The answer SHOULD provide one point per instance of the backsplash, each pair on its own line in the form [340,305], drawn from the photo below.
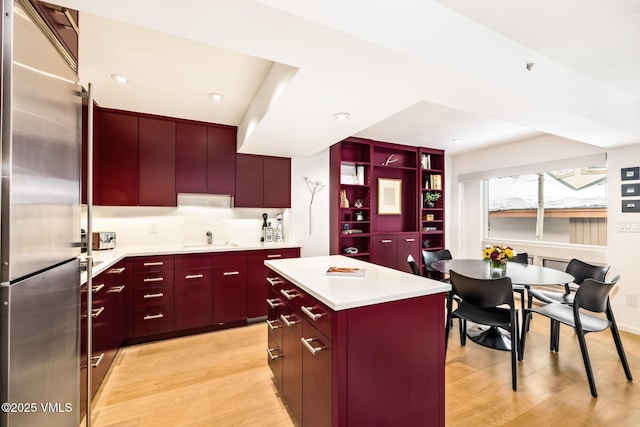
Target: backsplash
[159,226]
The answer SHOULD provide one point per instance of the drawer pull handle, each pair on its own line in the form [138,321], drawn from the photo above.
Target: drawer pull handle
[386,241]
[274,302]
[312,315]
[156,295]
[274,356]
[153,279]
[274,280]
[97,288]
[312,349]
[96,312]
[98,361]
[286,321]
[289,294]
[153,316]
[274,256]
[194,276]
[151,264]
[116,289]
[116,270]
[274,324]
[409,240]
[231,273]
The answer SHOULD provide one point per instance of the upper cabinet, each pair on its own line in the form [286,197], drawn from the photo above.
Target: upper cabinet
[221,160]
[63,24]
[262,181]
[156,173]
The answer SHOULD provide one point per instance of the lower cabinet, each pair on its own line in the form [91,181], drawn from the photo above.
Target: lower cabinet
[193,291]
[229,287]
[392,249]
[381,364]
[153,300]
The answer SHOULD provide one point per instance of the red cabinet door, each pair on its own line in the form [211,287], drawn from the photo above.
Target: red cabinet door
[249,171]
[383,250]
[229,293]
[193,295]
[118,157]
[221,160]
[191,158]
[317,376]
[292,360]
[407,244]
[277,182]
[157,150]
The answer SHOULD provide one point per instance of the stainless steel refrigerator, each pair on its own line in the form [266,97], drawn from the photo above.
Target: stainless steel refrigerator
[40,227]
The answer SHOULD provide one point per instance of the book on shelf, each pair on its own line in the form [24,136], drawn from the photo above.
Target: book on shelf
[435,182]
[346,271]
[426,161]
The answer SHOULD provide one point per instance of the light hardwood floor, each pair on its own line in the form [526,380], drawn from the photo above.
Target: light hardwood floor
[222,379]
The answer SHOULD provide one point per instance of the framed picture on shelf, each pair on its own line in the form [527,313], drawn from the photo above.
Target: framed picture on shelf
[389,196]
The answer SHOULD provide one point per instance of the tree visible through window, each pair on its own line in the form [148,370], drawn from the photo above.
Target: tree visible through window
[565,206]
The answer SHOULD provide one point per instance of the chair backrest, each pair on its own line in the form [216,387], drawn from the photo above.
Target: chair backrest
[581,271]
[414,266]
[432,256]
[593,295]
[521,258]
[482,292]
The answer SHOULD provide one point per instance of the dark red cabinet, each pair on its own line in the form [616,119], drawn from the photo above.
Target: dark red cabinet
[257,277]
[392,250]
[229,287]
[262,181]
[153,300]
[156,173]
[193,291]
[316,384]
[221,164]
[117,182]
[407,244]
[191,158]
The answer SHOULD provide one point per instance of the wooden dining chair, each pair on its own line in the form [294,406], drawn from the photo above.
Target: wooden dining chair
[482,301]
[592,296]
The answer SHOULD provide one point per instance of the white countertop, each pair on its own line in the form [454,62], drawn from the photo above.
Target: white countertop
[379,284]
[106,258]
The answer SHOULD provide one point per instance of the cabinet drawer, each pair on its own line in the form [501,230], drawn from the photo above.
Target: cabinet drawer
[153,263]
[193,261]
[153,279]
[235,259]
[274,326]
[153,321]
[317,314]
[275,360]
[153,297]
[268,254]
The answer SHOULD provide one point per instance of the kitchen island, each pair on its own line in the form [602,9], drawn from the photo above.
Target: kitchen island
[351,351]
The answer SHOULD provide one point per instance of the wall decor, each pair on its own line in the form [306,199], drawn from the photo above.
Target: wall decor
[629,190]
[389,196]
[313,187]
[630,174]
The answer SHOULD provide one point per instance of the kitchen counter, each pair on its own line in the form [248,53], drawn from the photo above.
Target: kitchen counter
[379,284]
[106,258]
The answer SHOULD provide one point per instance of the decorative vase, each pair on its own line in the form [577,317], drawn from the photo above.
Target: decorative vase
[344,202]
[429,204]
[498,268]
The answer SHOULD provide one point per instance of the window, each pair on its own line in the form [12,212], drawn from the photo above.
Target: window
[564,206]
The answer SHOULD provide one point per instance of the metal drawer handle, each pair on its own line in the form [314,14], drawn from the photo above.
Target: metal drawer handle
[117,289]
[194,276]
[231,273]
[97,362]
[312,349]
[97,288]
[153,279]
[153,316]
[409,240]
[151,264]
[116,270]
[386,241]
[288,294]
[96,312]
[274,324]
[308,312]
[285,320]
[274,356]
[156,295]
[274,302]
[274,280]
[274,256]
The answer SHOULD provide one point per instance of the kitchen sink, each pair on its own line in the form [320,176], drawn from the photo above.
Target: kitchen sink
[219,245]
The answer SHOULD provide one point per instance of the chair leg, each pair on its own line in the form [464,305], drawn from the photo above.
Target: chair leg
[587,362]
[618,341]
[523,337]
[463,331]
[514,351]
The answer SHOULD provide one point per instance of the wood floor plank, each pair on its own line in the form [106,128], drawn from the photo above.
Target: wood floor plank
[222,379]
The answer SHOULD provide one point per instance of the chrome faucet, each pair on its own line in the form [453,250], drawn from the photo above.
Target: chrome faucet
[209,238]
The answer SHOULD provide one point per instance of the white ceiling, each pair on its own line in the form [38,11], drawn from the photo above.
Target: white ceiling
[417,72]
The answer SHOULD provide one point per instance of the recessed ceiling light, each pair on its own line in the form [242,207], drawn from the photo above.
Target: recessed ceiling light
[342,116]
[216,96]
[119,78]
[456,140]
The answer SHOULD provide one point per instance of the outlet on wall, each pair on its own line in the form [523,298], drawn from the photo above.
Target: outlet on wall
[632,300]
[153,229]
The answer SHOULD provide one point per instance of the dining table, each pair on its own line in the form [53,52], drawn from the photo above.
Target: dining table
[526,275]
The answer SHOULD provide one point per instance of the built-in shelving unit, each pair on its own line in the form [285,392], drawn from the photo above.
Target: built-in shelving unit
[432,214]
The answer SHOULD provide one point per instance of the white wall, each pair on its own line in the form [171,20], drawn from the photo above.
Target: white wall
[465,213]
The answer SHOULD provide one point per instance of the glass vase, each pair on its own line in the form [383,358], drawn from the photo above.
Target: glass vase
[498,268]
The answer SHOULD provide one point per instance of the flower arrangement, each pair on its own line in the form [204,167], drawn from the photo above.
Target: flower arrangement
[498,255]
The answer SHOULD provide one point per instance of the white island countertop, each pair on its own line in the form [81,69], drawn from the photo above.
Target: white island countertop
[379,284]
